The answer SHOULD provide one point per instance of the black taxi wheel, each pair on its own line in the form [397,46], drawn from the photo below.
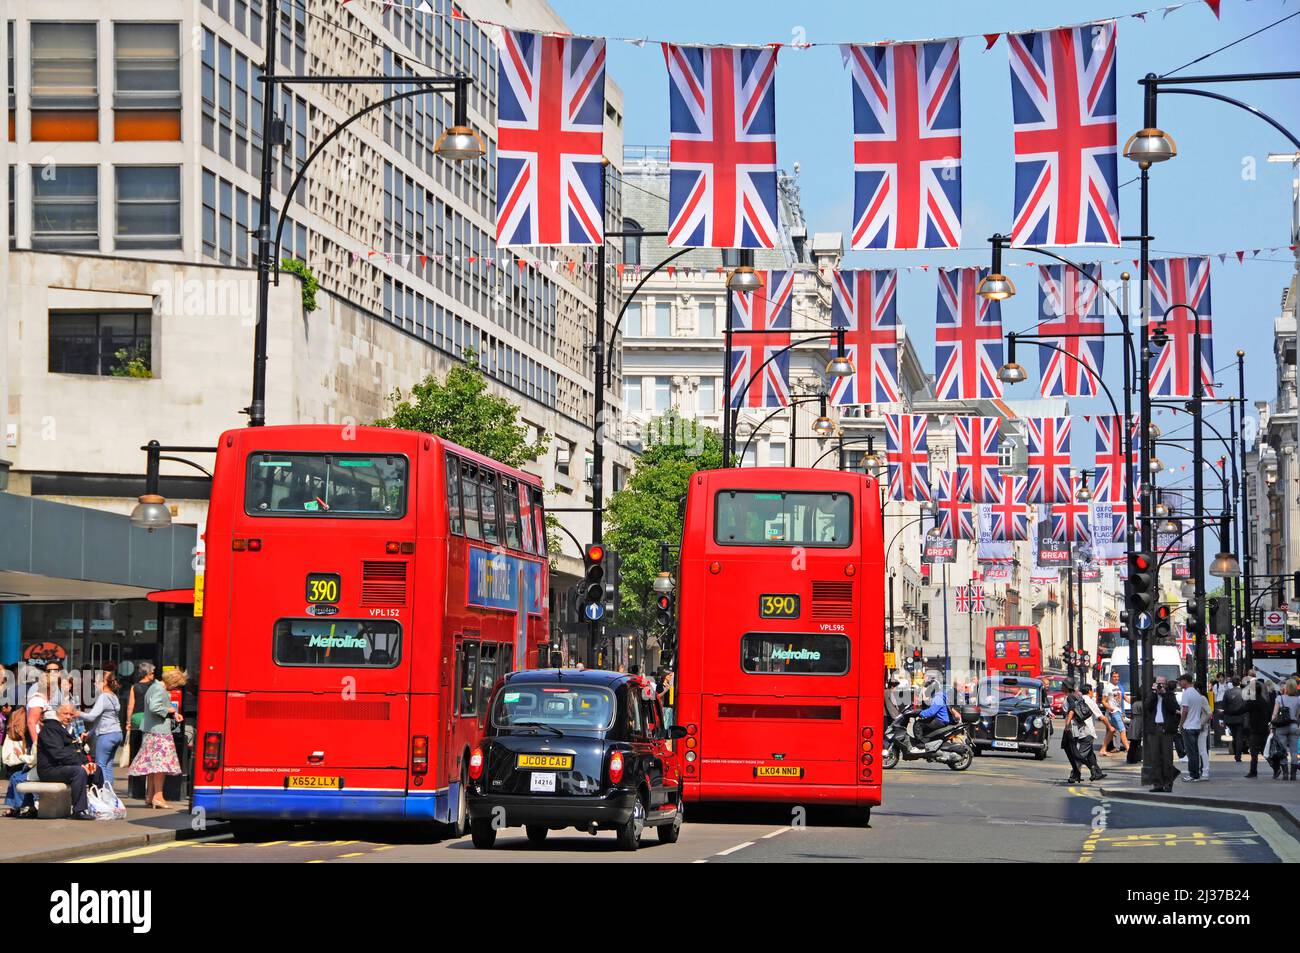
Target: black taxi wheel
[482,833]
[536,833]
[668,833]
[629,832]
[1041,755]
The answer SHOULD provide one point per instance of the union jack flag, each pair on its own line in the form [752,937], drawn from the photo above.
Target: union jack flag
[864,303]
[762,319]
[1176,282]
[1010,511]
[1063,105]
[907,456]
[977,457]
[1068,302]
[963,599]
[1072,519]
[1186,641]
[1110,472]
[722,147]
[906,145]
[955,517]
[550,139]
[1049,459]
[968,338]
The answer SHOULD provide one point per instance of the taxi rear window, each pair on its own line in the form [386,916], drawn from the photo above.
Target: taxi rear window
[580,707]
[371,486]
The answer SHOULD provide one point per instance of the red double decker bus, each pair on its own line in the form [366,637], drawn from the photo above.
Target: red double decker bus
[781,637]
[364,589]
[1014,650]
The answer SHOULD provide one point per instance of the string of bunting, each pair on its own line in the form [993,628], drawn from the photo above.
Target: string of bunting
[989,39]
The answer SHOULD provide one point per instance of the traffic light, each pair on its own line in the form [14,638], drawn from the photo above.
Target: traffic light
[613,578]
[1142,583]
[1195,616]
[592,595]
[1220,615]
[1125,632]
[1163,630]
[664,609]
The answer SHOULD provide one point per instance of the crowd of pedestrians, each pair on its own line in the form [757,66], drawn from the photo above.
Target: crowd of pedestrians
[51,737]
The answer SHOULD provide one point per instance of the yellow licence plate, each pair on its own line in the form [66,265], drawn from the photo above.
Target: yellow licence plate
[312,781]
[778,771]
[548,762]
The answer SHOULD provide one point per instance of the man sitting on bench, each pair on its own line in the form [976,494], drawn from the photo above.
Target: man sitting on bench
[62,757]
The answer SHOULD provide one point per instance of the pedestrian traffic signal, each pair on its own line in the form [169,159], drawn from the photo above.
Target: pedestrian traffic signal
[1142,583]
[1195,619]
[664,609]
[1163,630]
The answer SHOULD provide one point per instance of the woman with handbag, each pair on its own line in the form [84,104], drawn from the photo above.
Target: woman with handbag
[105,719]
[157,755]
[19,757]
[1259,706]
[1286,730]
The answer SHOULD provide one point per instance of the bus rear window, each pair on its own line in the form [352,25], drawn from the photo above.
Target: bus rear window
[775,518]
[326,484]
[337,643]
[784,653]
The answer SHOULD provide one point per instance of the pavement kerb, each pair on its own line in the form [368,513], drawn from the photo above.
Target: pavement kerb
[1281,812]
[57,854]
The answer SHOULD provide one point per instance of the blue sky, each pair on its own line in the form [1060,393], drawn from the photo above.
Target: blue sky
[1200,202]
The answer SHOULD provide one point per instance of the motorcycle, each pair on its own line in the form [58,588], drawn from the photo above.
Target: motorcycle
[950,745]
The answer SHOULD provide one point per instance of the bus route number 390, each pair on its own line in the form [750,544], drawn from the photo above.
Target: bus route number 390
[778,606]
[323,587]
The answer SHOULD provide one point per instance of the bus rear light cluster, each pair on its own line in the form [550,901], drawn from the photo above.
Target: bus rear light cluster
[715,567]
[211,751]
[868,745]
[239,545]
[868,732]
[866,773]
[691,729]
[850,569]
[690,769]
[393,547]
[616,768]
[867,760]
[690,757]
[420,754]
[476,764]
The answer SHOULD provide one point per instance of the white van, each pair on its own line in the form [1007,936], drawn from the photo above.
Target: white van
[1165,661]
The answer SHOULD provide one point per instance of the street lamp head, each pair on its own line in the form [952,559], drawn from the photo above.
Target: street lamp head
[1012,373]
[1148,146]
[664,582]
[1154,431]
[744,279]
[823,426]
[151,513]
[459,143]
[1083,494]
[1161,510]
[1241,354]
[996,287]
[1225,566]
[1159,335]
[1156,466]
[839,366]
[1169,527]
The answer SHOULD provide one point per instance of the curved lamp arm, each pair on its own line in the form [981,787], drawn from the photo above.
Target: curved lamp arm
[759,426]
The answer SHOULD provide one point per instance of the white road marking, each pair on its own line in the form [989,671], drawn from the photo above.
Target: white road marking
[732,850]
[779,830]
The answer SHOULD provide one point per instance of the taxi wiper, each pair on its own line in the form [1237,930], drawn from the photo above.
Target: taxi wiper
[537,724]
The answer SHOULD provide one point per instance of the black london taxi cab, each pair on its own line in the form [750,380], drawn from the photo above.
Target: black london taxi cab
[568,748]
[1012,716]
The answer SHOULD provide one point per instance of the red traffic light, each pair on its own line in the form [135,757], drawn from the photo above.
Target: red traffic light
[916,653]
[595,553]
[1163,613]
[1140,561]
[665,602]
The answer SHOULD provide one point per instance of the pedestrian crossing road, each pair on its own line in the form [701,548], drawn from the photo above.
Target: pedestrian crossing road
[1000,810]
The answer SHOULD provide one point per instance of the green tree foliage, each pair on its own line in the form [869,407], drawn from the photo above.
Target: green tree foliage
[310,285]
[645,511]
[460,408]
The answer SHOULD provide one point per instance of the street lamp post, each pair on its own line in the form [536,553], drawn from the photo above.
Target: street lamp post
[1243,525]
[458,142]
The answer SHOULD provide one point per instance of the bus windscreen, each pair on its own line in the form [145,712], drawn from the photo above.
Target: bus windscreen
[777,518]
[325,484]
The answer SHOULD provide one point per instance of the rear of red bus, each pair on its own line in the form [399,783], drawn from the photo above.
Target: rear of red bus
[1014,650]
[320,691]
[781,637]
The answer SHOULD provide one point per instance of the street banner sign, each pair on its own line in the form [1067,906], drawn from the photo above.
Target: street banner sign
[935,551]
[1053,554]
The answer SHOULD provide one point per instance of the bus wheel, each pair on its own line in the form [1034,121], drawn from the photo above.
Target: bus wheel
[459,825]
[536,833]
[629,832]
[668,833]
[482,833]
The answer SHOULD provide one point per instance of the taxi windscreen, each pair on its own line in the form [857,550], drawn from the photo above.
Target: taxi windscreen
[578,707]
[325,484]
[1005,695]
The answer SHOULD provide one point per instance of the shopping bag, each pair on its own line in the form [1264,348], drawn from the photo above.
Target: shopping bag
[104,803]
[1268,748]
